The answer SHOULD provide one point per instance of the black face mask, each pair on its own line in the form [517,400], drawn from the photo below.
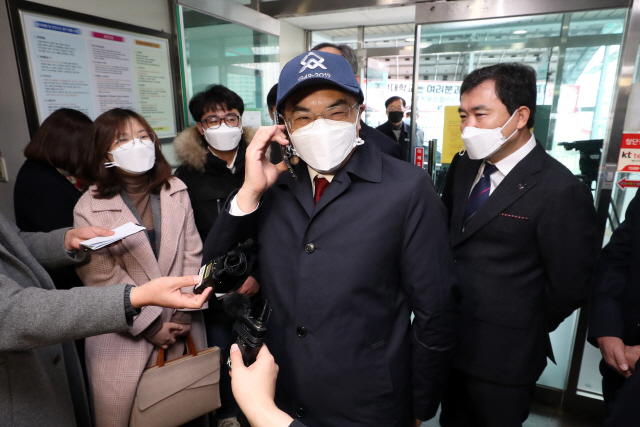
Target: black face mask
[395,116]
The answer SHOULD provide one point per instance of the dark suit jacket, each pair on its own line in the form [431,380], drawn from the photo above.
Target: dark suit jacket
[384,143]
[342,278]
[524,260]
[615,309]
[404,140]
[615,304]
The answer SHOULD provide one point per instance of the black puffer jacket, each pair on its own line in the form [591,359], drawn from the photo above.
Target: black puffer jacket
[209,181]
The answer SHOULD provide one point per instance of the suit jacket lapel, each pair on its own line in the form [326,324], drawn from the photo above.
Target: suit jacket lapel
[173,218]
[137,244]
[465,175]
[515,185]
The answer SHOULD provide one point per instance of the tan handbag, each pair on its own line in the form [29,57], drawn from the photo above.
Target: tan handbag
[173,393]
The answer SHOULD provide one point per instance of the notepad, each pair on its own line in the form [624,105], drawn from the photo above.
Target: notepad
[120,233]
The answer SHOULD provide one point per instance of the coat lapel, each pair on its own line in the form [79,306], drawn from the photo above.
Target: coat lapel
[301,187]
[173,217]
[515,185]
[137,244]
[465,175]
[365,163]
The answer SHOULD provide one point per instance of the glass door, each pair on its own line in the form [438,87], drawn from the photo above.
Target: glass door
[215,51]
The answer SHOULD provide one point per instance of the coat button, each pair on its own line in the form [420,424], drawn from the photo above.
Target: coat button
[302,331]
[309,248]
[300,412]
[56,359]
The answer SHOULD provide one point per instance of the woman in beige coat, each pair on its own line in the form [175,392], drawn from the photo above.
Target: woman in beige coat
[138,189]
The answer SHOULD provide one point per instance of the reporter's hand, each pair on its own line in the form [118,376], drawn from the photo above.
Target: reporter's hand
[250,287]
[260,173]
[632,353]
[254,389]
[165,292]
[74,236]
[612,349]
[167,335]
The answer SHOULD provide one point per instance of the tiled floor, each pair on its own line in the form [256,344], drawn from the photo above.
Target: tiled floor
[545,416]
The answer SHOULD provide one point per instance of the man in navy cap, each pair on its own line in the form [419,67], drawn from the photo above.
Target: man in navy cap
[348,249]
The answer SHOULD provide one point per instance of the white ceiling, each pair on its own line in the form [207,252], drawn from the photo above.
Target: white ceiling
[353,18]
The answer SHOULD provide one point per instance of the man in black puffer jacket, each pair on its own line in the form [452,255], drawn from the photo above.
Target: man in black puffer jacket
[212,155]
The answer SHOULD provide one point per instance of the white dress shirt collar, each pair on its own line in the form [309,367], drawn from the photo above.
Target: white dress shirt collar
[508,163]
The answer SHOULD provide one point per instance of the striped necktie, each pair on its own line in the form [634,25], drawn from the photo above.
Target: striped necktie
[480,192]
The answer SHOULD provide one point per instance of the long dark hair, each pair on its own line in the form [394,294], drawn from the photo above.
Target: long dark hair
[106,129]
[63,141]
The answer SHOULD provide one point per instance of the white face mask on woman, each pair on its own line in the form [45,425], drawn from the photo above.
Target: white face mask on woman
[483,143]
[325,144]
[224,138]
[134,156]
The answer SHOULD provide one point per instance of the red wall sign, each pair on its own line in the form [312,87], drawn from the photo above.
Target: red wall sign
[419,157]
[629,160]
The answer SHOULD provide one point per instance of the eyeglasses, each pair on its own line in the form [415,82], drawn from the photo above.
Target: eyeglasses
[145,138]
[395,109]
[339,113]
[214,122]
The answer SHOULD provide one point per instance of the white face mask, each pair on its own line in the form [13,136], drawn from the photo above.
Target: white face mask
[483,143]
[326,145]
[134,157]
[224,138]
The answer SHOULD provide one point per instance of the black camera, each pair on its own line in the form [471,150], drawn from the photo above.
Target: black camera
[227,272]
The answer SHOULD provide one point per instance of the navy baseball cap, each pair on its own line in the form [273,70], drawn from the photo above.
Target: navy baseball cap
[313,68]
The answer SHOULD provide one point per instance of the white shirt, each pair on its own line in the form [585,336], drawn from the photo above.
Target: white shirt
[505,165]
[235,210]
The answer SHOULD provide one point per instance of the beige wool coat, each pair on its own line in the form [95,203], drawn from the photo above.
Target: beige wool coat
[116,361]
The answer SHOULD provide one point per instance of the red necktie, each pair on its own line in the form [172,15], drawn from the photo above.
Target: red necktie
[321,185]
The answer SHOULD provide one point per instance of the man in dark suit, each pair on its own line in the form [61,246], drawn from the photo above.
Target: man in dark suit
[367,133]
[342,252]
[615,316]
[523,231]
[394,127]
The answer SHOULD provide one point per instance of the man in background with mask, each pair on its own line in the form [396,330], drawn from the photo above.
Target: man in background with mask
[213,157]
[523,231]
[342,250]
[366,133]
[394,127]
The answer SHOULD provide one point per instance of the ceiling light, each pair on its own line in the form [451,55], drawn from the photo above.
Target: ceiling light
[520,32]
[410,39]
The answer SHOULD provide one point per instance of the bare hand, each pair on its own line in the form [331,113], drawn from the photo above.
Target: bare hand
[612,349]
[250,287]
[632,353]
[417,423]
[74,236]
[254,388]
[260,173]
[167,335]
[165,292]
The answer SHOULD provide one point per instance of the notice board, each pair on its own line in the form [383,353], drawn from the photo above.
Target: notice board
[93,67]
